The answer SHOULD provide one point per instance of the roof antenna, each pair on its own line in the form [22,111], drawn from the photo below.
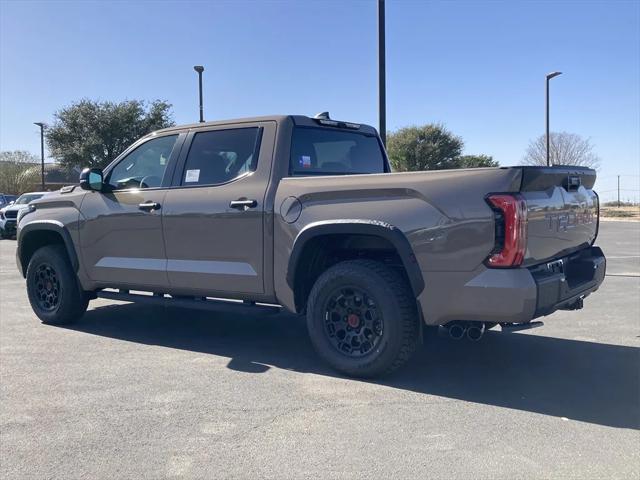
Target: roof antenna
[322,115]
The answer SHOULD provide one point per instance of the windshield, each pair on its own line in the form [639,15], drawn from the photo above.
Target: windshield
[28,197]
[324,151]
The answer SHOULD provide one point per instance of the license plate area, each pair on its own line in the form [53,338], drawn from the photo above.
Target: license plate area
[566,278]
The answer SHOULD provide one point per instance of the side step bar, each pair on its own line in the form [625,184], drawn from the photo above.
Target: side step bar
[516,327]
[199,303]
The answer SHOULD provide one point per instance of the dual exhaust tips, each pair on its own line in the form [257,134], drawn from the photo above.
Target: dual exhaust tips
[473,330]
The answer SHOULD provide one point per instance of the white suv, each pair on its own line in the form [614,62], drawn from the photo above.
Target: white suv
[9,214]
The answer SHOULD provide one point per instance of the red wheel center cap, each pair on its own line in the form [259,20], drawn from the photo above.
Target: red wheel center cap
[353,320]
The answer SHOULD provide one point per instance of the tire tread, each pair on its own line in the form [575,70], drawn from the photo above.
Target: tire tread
[406,302]
[74,299]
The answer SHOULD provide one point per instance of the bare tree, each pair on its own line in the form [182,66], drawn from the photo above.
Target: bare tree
[564,149]
[16,171]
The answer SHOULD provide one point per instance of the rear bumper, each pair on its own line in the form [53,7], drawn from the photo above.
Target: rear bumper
[512,295]
[562,284]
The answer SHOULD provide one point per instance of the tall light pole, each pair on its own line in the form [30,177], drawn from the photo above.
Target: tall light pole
[41,125]
[200,69]
[549,77]
[382,93]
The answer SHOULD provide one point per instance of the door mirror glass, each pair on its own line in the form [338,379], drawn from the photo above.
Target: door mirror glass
[91,179]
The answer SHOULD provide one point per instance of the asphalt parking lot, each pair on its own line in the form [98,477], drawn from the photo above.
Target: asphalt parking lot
[141,392]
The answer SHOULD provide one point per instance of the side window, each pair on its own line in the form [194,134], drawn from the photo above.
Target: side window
[145,166]
[219,156]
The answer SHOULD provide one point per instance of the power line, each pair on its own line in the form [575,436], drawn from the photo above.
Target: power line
[614,176]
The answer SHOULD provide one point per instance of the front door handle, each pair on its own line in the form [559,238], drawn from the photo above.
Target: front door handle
[149,206]
[242,204]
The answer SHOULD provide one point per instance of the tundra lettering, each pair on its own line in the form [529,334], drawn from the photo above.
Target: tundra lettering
[564,221]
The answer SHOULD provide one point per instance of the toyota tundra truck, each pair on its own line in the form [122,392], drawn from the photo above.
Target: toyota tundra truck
[304,214]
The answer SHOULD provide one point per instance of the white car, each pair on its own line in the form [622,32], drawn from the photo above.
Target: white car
[9,214]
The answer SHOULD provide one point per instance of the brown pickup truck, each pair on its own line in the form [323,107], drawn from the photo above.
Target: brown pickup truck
[305,214]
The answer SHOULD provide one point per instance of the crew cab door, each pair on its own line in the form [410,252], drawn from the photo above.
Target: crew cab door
[213,217]
[121,236]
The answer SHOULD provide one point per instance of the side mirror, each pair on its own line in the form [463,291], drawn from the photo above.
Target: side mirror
[12,202]
[91,179]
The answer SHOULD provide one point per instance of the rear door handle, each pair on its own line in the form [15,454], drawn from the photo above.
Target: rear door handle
[149,206]
[242,204]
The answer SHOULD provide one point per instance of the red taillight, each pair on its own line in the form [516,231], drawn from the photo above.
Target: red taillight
[511,230]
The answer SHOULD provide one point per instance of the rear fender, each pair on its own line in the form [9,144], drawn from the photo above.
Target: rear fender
[358,227]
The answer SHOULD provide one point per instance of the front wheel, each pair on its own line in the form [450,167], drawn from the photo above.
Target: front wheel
[362,318]
[53,288]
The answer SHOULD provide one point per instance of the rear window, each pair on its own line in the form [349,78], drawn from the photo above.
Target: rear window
[322,151]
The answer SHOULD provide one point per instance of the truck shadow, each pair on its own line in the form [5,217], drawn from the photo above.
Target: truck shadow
[579,380]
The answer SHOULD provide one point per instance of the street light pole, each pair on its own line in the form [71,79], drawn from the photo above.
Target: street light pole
[200,69]
[549,77]
[382,93]
[41,125]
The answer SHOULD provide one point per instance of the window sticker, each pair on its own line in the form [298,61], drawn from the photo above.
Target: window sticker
[305,161]
[192,176]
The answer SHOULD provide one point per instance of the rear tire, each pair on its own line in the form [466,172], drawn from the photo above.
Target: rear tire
[53,288]
[362,318]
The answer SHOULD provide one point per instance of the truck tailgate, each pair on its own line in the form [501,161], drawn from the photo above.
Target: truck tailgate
[562,211]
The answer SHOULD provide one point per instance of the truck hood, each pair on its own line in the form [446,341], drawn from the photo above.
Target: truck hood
[70,196]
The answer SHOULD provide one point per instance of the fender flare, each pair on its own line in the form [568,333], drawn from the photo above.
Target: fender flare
[35,226]
[358,227]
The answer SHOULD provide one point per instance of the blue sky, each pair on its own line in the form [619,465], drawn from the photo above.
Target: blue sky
[476,66]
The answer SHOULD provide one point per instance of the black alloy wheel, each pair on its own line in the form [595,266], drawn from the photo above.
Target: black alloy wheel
[47,287]
[353,322]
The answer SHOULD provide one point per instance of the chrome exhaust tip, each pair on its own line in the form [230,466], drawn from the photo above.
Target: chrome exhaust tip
[457,331]
[475,333]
